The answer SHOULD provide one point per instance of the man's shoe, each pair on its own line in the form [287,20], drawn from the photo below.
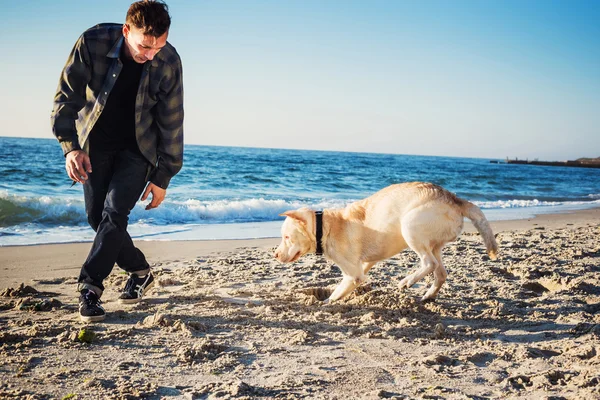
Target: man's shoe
[90,309]
[135,288]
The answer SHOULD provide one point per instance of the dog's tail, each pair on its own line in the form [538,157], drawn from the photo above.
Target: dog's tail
[473,212]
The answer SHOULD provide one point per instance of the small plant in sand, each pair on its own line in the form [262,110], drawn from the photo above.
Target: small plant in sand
[86,335]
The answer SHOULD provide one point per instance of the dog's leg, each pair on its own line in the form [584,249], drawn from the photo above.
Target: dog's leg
[428,265]
[439,275]
[346,286]
[417,232]
[367,266]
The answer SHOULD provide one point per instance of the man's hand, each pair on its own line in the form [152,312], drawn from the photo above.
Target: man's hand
[158,195]
[78,165]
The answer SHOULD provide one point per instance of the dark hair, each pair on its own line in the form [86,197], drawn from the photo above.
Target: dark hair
[151,16]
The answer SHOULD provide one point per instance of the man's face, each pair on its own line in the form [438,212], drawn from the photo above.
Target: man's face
[140,47]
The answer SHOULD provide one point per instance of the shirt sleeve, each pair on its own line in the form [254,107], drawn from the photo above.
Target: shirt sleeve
[169,121]
[70,96]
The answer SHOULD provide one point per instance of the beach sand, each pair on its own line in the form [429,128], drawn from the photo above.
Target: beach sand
[228,321]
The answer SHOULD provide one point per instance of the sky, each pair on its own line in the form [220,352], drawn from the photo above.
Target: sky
[463,78]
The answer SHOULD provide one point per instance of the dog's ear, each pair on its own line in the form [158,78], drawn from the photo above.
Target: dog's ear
[298,215]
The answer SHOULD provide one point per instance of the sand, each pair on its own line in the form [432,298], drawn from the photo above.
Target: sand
[228,321]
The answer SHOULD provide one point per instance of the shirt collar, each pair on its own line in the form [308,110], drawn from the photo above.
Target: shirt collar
[116,49]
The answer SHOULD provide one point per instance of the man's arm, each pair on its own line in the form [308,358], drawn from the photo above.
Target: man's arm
[70,96]
[169,121]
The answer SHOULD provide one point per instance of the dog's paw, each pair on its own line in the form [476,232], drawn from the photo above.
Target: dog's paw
[403,284]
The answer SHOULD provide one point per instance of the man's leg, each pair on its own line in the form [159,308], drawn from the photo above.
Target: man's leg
[94,191]
[112,242]
[130,258]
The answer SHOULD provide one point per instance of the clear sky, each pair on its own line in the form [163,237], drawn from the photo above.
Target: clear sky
[461,78]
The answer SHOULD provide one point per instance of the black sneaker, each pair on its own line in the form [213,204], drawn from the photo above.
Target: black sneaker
[90,309]
[135,288]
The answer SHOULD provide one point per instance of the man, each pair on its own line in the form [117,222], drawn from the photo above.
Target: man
[118,116]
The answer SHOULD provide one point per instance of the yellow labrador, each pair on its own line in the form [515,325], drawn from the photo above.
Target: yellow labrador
[422,216]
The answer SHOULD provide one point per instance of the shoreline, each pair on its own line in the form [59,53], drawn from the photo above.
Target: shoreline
[17,235]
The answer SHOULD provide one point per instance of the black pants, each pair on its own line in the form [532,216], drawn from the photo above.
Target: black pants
[116,183]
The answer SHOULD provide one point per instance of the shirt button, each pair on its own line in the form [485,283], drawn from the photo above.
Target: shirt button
[105,92]
[114,75]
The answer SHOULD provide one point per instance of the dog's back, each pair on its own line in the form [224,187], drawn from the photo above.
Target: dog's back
[392,203]
[433,208]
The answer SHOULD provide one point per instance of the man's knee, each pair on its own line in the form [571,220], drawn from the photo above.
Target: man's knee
[116,218]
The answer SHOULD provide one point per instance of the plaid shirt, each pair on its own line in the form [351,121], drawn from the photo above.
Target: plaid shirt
[86,82]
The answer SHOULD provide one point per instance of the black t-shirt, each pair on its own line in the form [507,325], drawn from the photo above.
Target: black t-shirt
[115,128]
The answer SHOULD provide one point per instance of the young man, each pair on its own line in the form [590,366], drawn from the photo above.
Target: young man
[118,115]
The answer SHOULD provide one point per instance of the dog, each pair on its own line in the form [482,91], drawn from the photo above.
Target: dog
[419,215]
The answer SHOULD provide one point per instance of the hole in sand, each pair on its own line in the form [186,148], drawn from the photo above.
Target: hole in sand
[544,286]
[363,289]
[321,294]
[535,287]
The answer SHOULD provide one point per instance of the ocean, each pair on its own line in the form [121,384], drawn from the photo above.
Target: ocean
[238,193]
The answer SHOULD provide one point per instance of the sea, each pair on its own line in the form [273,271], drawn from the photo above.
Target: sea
[239,192]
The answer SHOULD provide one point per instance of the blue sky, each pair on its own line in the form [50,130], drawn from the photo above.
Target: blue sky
[456,78]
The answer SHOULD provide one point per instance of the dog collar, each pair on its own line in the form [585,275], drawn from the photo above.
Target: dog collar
[319,232]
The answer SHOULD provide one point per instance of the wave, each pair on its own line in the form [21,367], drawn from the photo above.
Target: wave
[221,211]
[503,204]
[15,210]
[45,211]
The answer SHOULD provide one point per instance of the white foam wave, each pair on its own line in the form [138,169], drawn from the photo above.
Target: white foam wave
[222,211]
[503,204]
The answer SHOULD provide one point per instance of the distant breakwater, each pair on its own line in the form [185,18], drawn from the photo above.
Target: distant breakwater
[581,163]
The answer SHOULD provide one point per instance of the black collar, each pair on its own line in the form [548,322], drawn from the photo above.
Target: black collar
[319,232]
